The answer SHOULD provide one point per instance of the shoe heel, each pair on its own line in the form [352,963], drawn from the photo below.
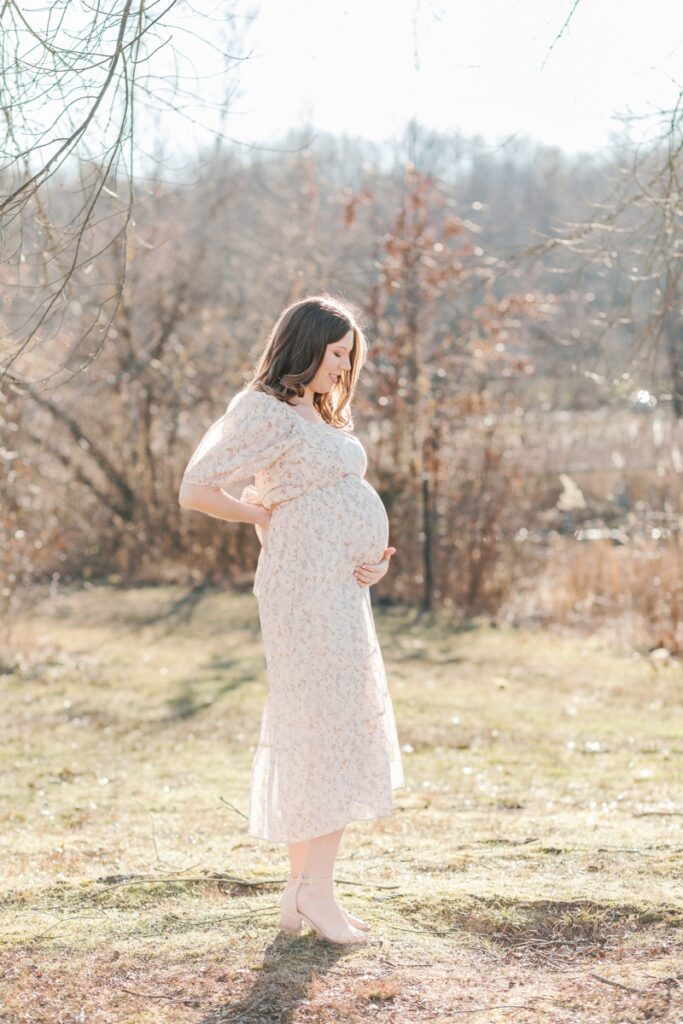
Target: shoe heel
[290,924]
[290,919]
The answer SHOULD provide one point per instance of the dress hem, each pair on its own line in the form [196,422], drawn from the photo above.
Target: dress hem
[334,828]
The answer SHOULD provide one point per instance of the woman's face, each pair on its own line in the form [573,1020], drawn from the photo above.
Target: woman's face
[337,358]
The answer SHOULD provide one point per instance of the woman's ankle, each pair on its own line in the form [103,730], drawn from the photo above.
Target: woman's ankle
[321,888]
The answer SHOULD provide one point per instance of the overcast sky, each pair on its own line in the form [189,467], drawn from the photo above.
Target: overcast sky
[366,66]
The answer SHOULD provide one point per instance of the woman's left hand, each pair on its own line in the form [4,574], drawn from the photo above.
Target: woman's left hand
[368,573]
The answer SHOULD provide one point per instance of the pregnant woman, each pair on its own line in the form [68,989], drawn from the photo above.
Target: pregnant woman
[328,752]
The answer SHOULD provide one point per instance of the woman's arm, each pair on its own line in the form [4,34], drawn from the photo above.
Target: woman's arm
[214,502]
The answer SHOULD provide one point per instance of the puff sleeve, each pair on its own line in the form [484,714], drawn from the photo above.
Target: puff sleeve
[250,435]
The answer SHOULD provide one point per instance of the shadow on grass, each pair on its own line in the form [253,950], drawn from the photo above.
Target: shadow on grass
[290,967]
[181,611]
[187,703]
[178,612]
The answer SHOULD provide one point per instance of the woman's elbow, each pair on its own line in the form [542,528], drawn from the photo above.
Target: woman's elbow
[187,496]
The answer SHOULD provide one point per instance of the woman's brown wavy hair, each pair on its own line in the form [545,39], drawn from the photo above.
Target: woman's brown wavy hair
[296,347]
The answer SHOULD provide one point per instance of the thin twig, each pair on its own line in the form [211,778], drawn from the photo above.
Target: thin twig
[617,984]
[670,814]
[499,1006]
[232,806]
[156,995]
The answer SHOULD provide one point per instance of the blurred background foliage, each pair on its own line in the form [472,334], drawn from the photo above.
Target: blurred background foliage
[519,401]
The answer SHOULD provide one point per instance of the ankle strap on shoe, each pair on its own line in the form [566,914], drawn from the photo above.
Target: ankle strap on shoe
[314,878]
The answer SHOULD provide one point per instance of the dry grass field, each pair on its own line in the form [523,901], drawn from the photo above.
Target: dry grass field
[532,870]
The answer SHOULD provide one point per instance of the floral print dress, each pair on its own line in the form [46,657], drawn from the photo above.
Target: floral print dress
[328,751]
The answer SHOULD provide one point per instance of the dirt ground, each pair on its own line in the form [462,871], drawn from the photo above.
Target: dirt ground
[530,872]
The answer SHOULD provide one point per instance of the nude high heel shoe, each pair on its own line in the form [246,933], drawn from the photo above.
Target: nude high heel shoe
[347,935]
[291,921]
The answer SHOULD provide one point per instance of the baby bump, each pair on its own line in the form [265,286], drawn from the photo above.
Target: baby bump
[329,530]
[367,522]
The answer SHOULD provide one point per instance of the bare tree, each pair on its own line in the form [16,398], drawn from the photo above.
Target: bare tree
[82,86]
[632,239]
